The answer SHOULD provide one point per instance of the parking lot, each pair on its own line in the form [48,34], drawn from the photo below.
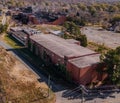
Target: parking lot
[108,38]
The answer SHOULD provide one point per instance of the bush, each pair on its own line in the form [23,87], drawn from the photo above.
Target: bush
[3,28]
[112,61]
[77,20]
[83,40]
[72,28]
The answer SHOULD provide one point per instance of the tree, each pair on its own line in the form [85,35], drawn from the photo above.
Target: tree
[83,40]
[81,6]
[97,7]
[104,6]
[115,19]
[3,28]
[113,8]
[19,4]
[77,20]
[25,20]
[72,28]
[92,10]
[112,61]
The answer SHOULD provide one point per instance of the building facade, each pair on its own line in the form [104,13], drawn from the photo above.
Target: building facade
[80,62]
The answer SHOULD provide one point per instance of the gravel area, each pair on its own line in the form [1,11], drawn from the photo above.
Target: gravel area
[100,36]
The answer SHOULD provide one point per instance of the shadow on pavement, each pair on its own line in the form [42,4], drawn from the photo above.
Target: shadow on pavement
[75,93]
[37,68]
[90,94]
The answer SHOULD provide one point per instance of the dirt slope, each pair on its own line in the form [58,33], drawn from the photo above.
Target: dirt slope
[18,84]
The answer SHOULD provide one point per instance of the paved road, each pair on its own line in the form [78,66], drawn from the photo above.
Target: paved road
[63,94]
[97,35]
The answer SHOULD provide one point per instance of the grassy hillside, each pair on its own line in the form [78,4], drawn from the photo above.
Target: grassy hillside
[18,84]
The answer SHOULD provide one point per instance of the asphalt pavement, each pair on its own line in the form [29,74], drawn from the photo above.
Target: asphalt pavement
[108,38]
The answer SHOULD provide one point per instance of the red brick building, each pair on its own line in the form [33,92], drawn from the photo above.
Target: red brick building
[80,62]
[22,34]
[33,19]
[18,34]
[61,20]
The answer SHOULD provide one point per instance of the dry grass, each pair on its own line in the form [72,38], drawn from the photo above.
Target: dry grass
[45,27]
[94,46]
[18,84]
[10,41]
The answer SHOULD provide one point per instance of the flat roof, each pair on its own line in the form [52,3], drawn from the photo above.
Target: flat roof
[60,46]
[56,32]
[16,28]
[31,30]
[28,30]
[86,61]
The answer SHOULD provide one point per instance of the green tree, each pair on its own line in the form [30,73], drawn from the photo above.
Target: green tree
[83,40]
[81,6]
[77,20]
[112,61]
[3,28]
[104,6]
[98,7]
[115,19]
[92,10]
[113,8]
[72,28]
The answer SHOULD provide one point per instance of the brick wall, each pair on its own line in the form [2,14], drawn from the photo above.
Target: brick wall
[85,75]
[79,75]
[59,21]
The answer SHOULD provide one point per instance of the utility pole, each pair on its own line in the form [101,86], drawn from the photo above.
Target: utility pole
[83,99]
[48,85]
[83,91]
